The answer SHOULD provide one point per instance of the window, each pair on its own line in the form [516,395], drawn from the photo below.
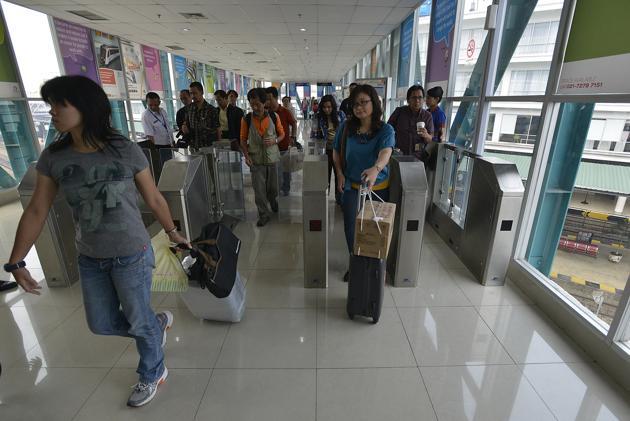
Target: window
[519,128]
[528,82]
[490,131]
[538,39]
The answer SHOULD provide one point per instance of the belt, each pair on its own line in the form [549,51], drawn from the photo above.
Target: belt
[380,186]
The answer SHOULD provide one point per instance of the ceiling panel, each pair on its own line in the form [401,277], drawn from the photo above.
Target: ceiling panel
[338,32]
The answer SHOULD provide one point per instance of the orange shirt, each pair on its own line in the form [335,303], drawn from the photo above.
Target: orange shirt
[261,125]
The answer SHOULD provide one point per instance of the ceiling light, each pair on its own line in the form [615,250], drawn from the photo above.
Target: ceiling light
[186,29]
[193,15]
[303,29]
[249,53]
[306,48]
[86,14]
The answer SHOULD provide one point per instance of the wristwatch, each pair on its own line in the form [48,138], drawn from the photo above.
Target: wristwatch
[10,267]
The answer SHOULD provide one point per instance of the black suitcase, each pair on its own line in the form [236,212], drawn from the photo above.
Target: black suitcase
[366,282]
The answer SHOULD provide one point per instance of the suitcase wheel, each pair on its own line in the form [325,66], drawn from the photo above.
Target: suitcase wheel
[351,316]
[374,320]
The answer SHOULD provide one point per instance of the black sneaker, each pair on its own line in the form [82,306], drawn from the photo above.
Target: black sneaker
[274,207]
[7,285]
[346,276]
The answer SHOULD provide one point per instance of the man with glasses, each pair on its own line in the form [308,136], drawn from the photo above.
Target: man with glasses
[413,125]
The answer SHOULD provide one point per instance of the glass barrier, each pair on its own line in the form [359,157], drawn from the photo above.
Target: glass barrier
[453,175]
[17,148]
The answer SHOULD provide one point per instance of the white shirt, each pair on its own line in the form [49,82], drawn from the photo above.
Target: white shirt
[158,126]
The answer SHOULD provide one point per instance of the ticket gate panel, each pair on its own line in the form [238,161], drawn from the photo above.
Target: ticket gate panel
[409,190]
[55,245]
[315,221]
[184,187]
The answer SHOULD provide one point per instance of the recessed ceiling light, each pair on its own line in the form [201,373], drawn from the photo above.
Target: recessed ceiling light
[306,48]
[186,29]
[303,29]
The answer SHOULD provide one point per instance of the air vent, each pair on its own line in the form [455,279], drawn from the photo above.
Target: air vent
[197,16]
[249,53]
[214,61]
[262,61]
[85,14]
[174,47]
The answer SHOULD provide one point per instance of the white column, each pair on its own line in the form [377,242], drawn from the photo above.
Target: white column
[621,203]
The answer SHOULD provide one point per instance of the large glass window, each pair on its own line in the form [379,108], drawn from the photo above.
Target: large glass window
[589,261]
[33,45]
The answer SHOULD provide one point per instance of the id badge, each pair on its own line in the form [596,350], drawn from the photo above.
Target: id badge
[417,147]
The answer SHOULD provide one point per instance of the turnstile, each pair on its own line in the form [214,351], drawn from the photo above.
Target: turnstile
[408,190]
[475,210]
[315,221]
[55,245]
[184,186]
[224,175]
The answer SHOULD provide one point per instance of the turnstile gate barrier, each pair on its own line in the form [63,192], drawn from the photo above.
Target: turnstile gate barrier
[55,245]
[315,221]
[408,189]
[184,186]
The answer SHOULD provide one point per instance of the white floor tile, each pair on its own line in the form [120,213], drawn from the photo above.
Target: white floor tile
[483,393]
[50,394]
[373,394]
[73,345]
[267,338]
[578,391]
[22,328]
[177,399]
[451,336]
[280,256]
[279,289]
[480,295]
[336,295]
[284,233]
[343,343]
[529,336]
[260,395]
[191,343]
[435,288]
[59,296]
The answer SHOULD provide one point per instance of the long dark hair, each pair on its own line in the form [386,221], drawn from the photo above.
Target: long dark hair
[91,101]
[334,116]
[377,110]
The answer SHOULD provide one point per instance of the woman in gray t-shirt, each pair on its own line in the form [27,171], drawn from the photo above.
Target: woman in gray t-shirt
[100,173]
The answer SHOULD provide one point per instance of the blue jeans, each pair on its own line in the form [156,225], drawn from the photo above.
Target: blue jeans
[349,206]
[117,298]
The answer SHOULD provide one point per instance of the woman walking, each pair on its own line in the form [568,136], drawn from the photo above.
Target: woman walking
[329,120]
[101,173]
[362,148]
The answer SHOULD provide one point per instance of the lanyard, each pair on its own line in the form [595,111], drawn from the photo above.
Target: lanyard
[161,119]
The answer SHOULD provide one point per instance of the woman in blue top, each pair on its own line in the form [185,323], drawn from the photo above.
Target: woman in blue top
[329,120]
[362,148]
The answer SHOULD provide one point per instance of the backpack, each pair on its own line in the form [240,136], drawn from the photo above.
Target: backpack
[272,115]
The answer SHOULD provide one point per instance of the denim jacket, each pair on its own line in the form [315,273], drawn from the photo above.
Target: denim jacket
[322,126]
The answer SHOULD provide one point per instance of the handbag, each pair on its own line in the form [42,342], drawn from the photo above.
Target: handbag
[216,251]
[168,274]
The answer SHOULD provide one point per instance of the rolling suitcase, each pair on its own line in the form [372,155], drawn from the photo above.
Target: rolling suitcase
[366,283]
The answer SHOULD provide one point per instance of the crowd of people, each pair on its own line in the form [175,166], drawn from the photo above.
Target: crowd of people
[115,254]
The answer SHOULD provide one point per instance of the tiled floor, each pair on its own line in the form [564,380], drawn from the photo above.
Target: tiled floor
[449,349]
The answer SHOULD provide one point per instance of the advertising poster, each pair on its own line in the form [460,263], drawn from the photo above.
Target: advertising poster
[597,57]
[307,90]
[109,64]
[191,71]
[152,68]
[404,61]
[238,84]
[222,81]
[134,72]
[440,49]
[210,78]
[9,85]
[293,90]
[179,73]
[75,48]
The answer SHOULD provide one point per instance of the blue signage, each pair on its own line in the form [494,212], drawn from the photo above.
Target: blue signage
[404,57]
